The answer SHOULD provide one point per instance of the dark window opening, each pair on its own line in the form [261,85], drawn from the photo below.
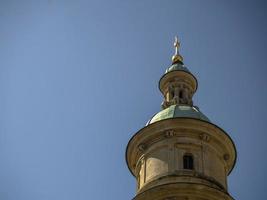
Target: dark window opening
[181,94]
[188,162]
[172,94]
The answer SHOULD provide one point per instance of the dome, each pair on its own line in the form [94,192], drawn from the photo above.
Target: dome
[176,111]
[177,67]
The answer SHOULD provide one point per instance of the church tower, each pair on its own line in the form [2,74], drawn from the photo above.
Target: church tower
[180,154]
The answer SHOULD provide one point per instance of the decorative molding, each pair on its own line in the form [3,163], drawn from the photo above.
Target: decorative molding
[226,157]
[170,198]
[170,133]
[142,147]
[205,137]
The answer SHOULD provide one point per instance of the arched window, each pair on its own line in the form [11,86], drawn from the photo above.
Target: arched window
[188,162]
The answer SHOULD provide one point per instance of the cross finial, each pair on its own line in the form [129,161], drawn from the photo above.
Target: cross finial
[176,45]
[177,57]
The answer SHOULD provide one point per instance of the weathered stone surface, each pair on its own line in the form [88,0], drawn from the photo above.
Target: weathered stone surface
[163,145]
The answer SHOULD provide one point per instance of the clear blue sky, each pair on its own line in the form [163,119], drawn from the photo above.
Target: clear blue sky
[79,78]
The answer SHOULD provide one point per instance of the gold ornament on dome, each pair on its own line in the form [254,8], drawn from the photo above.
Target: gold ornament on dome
[176,57]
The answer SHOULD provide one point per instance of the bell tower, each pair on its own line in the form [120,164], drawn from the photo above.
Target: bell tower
[180,154]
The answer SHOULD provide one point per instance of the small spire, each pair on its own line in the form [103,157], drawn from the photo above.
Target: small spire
[176,57]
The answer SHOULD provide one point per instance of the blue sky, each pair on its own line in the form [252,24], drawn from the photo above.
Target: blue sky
[79,78]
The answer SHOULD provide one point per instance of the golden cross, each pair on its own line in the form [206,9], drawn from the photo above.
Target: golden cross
[176,45]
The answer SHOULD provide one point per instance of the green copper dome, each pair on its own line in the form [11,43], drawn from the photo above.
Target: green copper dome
[176,111]
[177,67]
